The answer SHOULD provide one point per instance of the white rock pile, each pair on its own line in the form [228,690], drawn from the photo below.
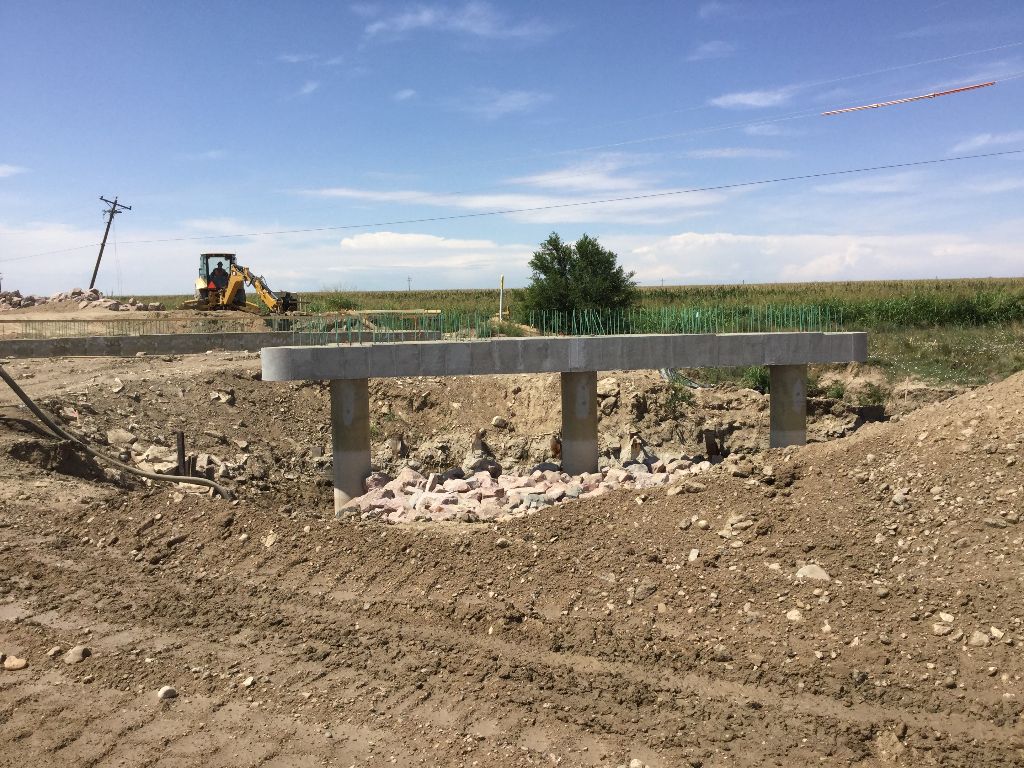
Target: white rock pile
[481,496]
[92,298]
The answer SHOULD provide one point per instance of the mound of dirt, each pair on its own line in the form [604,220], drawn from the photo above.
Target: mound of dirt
[60,456]
[858,604]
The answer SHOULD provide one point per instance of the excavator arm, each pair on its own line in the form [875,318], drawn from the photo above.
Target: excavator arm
[276,303]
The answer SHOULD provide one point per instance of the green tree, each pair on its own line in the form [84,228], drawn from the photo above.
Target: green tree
[580,275]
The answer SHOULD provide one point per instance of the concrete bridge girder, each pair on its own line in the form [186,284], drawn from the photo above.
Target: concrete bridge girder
[348,367]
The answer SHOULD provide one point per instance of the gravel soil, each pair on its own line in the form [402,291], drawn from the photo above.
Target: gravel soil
[667,630]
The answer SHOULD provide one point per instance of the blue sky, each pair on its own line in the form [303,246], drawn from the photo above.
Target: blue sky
[239,117]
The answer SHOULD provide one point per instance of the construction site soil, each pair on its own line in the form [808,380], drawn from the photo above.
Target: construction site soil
[853,602]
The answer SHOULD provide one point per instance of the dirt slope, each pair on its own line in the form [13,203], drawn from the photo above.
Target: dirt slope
[671,630]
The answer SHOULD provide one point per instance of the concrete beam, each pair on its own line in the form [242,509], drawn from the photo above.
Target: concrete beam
[560,354]
[787,403]
[579,422]
[350,438]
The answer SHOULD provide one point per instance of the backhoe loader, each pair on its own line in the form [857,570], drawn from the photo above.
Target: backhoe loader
[220,288]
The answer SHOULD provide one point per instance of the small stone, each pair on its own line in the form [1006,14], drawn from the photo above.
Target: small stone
[645,590]
[703,524]
[684,523]
[794,614]
[941,629]
[13,663]
[978,639]
[946,617]
[814,573]
[499,422]
[77,654]
[882,592]
[502,543]
[721,653]
[248,682]
[167,692]
[694,554]
[54,652]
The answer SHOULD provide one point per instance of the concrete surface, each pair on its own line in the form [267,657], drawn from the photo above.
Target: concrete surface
[787,405]
[560,354]
[170,343]
[579,422]
[350,438]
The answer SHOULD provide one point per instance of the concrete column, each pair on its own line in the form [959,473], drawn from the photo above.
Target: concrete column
[350,437]
[579,422]
[788,405]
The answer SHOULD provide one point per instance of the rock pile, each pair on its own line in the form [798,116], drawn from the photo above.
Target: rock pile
[14,300]
[92,298]
[465,495]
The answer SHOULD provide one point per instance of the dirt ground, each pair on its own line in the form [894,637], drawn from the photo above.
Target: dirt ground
[662,630]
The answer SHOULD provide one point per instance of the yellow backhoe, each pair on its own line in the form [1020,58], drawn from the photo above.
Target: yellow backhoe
[223,287]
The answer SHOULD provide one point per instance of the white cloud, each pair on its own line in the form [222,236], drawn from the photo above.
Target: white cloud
[739,153]
[728,257]
[404,95]
[714,49]
[296,58]
[884,184]
[765,129]
[10,170]
[713,8]
[406,251]
[476,19]
[996,186]
[598,175]
[755,99]
[308,87]
[546,208]
[491,104]
[986,140]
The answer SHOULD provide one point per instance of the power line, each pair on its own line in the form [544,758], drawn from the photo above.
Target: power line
[576,204]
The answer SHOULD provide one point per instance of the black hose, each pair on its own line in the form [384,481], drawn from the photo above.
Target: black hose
[59,431]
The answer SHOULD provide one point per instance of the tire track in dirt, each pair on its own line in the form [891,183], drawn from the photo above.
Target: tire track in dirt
[407,629]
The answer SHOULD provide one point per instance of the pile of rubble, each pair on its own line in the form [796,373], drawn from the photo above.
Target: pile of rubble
[480,492]
[92,298]
[14,300]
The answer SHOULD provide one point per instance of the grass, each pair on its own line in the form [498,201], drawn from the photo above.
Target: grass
[952,354]
[943,331]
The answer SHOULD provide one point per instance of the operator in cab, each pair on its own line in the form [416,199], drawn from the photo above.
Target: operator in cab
[219,277]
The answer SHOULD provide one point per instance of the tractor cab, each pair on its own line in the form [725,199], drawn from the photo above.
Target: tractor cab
[214,271]
[208,262]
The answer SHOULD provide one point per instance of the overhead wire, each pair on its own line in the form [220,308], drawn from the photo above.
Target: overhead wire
[582,203]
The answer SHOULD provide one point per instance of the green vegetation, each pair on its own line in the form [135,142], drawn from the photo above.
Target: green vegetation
[955,355]
[680,396]
[577,276]
[944,331]
[756,377]
[836,390]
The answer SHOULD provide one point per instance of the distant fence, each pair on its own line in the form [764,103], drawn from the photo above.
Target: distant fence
[385,326]
[63,329]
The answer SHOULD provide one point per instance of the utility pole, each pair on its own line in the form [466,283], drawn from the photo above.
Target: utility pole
[409,281]
[111,212]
